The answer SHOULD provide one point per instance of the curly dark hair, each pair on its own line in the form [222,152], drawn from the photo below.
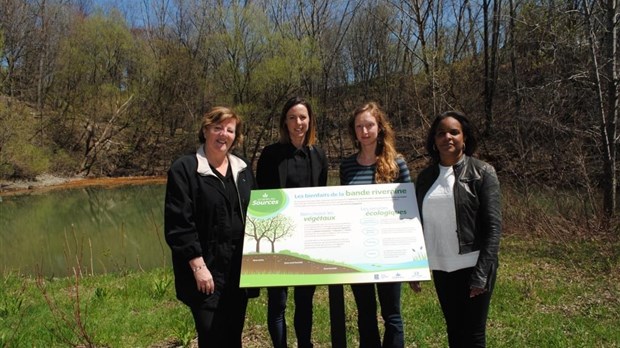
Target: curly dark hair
[471,143]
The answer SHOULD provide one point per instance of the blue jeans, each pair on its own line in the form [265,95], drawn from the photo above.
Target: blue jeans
[466,317]
[276,320]
[367,325]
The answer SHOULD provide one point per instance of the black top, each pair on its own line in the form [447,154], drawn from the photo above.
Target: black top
[283,166]
[237,227]
[298,171]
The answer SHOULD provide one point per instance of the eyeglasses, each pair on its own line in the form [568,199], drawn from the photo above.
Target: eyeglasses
[217,129]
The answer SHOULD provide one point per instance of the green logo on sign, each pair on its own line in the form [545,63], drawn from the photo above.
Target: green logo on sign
[265,203]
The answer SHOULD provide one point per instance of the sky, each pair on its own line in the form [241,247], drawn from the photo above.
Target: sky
[133,10]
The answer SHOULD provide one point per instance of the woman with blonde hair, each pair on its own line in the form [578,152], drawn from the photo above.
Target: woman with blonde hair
[207,195]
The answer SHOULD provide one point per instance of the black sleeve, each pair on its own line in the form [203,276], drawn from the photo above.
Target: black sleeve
[491,223]
[179,224]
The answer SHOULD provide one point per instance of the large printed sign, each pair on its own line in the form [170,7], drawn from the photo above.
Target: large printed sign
[333,235]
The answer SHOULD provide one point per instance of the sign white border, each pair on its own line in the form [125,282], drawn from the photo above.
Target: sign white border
[333,235]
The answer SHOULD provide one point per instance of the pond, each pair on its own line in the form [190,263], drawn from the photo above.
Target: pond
[92,230]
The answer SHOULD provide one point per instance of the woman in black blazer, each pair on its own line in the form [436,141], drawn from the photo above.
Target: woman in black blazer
[294,161]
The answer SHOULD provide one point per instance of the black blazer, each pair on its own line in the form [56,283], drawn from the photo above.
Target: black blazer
[271,168]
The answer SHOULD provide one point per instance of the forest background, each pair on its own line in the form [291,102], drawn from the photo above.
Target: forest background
[93,90]
[113,91]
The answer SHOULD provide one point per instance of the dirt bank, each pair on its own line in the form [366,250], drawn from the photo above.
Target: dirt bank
[45,183]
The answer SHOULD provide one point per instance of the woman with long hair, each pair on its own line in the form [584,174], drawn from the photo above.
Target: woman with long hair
[375,162]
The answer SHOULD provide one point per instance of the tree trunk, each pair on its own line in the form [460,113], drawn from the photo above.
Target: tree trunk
[610,46]
[607,109]
[490,58]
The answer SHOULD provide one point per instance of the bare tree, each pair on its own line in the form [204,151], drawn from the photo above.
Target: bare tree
[272,229]
[326,23]
[491,33]
[40,61]
[17,23]
[605,73]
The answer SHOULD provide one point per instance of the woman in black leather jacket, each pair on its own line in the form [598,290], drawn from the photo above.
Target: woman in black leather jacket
[459,201]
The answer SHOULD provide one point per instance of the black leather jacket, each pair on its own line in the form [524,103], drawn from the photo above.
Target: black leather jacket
[477,200]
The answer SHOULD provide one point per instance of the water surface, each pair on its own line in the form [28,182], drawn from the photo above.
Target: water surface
[91,229]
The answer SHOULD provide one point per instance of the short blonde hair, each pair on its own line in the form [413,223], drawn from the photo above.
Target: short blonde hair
[216,115]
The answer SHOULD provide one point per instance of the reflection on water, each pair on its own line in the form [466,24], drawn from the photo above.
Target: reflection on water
[93,229]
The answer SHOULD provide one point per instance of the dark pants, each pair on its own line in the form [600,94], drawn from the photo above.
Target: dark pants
[223,326]
[276,320]
[466,317]
[338,328]
[389,299]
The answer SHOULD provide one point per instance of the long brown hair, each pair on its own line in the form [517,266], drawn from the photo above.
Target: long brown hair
[310,138]
[387,168]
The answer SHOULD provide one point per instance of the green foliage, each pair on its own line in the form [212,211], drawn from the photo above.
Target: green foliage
[18,156]
[543,297]
[11,305]
[288,62]
[94,53]
[101,293]
[92,84]
[185,334]
[237,49]
[62,162]
[161,286]
[28,160]
[12,309]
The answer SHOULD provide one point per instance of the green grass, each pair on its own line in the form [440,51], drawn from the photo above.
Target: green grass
[548,294]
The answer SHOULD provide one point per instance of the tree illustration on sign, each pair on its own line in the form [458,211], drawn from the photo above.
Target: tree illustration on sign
[272,229]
